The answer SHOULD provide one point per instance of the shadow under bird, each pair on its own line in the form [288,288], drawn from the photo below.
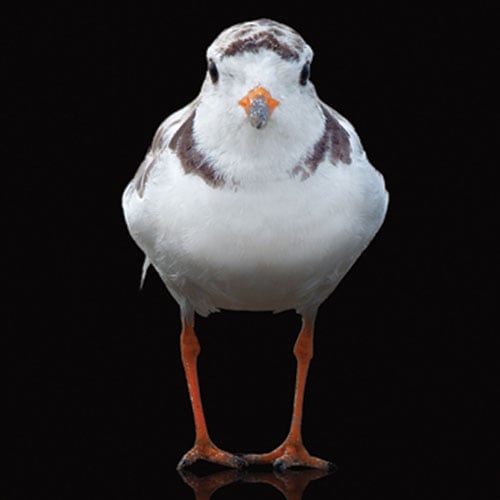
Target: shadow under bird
[256,196]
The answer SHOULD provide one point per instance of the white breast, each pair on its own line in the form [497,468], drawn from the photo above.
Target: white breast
[284,245]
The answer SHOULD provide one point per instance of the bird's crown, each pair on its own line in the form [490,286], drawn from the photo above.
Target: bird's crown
[253,36]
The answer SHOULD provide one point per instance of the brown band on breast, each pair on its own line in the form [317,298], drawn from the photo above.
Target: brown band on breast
[334,141]
[193,162]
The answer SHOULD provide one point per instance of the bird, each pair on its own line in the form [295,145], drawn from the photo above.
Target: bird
[255,196]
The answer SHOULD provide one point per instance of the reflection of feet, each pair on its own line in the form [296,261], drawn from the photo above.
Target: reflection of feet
[209,452]
[204,487]
[289,455]
[290,483]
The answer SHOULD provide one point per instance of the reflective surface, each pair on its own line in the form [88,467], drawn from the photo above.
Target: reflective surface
[291,484]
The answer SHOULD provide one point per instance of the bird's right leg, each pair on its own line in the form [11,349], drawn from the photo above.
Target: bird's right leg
[203,447]
[292,451]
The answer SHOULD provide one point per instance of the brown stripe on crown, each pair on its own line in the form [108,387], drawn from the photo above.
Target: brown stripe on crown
[193,162]
[334,141]
[258,41]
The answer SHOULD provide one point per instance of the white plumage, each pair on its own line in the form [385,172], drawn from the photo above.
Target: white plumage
[235,217]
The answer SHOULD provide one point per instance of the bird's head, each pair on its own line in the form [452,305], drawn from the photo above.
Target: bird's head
[257,100]
[255,67]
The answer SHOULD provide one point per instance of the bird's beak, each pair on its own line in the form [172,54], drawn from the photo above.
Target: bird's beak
[258,105]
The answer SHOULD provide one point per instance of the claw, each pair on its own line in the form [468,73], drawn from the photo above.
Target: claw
[280,465]
[331,467]
[240,462]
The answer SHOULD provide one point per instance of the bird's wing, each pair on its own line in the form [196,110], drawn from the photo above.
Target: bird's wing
[160,142]
[354,141]
[136,187]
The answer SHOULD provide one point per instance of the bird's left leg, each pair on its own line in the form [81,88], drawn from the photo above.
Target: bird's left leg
[203,447]
[292,451]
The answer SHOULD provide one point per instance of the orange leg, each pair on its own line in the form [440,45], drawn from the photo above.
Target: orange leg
[292,451]
[203,447]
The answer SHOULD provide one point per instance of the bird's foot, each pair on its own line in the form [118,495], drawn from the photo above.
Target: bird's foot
[209,452]
[288,455]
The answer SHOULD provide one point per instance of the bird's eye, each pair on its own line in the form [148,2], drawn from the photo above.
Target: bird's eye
[212,71]
[305,73]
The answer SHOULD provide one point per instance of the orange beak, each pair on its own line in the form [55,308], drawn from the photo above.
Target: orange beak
[258,105]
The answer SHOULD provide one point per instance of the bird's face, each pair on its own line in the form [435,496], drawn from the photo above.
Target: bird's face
[251,87]
[256,72]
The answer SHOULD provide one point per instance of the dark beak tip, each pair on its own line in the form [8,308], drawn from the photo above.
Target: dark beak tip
[259,114]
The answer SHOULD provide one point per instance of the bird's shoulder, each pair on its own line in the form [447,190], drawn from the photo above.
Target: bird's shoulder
[342,132]
[162,139]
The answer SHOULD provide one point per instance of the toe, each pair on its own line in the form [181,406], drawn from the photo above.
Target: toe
[188,459]
[210,453]
[294,456]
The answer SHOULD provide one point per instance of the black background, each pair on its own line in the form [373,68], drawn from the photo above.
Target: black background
[399,386]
